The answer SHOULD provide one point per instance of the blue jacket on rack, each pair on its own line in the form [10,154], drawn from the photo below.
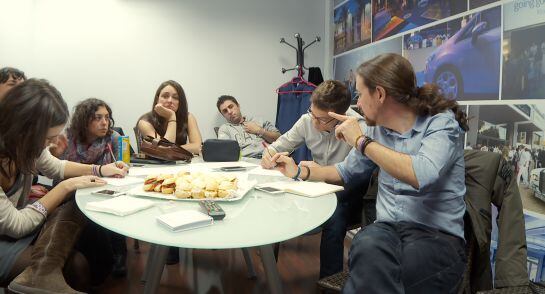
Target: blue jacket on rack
[289,109]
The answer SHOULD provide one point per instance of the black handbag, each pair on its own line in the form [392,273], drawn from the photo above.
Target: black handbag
[220,150]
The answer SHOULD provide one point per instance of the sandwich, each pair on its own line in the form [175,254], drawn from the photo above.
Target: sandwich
[168,186]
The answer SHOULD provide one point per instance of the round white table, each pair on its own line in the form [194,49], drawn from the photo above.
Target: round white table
[257,220]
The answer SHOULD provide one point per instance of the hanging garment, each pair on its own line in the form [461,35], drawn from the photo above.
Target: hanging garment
[315,76]
[293,101]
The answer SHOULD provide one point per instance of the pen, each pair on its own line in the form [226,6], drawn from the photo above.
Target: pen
[111,153]
[266,148]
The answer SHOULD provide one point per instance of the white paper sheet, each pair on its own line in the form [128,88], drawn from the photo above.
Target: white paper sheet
[126,181]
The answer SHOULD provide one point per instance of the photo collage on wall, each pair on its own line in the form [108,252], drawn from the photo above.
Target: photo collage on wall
[489,55]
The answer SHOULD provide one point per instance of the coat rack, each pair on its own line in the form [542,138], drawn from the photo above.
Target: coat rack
[300,51]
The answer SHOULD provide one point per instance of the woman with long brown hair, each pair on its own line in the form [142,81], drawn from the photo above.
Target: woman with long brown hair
[33,115]
[170,118]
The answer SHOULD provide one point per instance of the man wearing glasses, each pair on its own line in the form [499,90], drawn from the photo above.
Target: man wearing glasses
[9,78]
[316,129]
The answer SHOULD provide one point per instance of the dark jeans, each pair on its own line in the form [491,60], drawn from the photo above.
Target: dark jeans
[405,258]
[347,213]
[94,244]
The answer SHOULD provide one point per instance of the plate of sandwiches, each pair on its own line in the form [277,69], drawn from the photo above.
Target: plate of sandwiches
[196,186]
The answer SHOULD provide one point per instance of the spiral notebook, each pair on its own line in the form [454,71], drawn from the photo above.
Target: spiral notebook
[184,220]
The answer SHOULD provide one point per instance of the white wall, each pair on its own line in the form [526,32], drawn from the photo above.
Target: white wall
[121,50]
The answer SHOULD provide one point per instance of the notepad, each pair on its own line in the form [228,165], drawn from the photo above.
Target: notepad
[184,220]
[121,205]
[307,189]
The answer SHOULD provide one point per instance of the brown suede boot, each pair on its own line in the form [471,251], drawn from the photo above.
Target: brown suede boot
[49,253]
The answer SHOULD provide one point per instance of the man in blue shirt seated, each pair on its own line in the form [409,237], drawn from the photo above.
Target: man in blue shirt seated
[415,137]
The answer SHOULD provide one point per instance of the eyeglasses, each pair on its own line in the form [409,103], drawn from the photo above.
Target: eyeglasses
[7,72]
[321,120]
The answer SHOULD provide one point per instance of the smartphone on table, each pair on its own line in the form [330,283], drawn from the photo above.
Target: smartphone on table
[233,168]
[108,192]
[269,190]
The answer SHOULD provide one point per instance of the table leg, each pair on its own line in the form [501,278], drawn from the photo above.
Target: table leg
[249,263]
[155,270]
[271,271]
[151,253]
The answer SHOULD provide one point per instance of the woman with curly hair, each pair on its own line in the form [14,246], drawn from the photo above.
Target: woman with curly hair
[90,139]
[37,239]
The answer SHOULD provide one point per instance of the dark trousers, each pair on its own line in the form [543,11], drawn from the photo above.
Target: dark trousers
[405,257]
[347,213]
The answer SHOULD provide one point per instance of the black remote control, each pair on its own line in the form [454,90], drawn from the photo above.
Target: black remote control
[212,209]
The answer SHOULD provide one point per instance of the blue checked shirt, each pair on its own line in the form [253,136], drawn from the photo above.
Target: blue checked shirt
[435,144]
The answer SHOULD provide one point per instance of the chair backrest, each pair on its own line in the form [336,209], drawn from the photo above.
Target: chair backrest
[138,138]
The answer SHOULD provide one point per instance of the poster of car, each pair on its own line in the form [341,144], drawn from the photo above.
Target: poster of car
[461,56]
[523,70]
[344,66]
[478,3]
[352,21]
[394,16]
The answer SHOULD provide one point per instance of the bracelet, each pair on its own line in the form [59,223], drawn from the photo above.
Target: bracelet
[172,120]
[296,177]
[366,142]
[360,145]
[357,139]
[100,171]
[308,173]
[261,133]
[39,207]
[94,168]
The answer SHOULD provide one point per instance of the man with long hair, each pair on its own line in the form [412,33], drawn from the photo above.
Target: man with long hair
[415,137]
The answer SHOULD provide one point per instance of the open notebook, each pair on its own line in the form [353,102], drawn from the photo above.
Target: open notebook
[307,189]
[184,220]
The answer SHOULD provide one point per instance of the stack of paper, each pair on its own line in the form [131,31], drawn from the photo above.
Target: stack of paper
[184,220]
[307,189]
[121,205]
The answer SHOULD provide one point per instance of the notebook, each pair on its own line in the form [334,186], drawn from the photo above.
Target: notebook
[307,189]
[121,205]
[185,220]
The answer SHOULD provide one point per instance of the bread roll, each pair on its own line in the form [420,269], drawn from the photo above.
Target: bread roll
[182,194]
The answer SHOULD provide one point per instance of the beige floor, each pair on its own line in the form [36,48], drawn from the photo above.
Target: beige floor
[530,202]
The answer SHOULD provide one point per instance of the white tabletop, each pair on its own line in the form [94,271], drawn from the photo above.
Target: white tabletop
[257,219]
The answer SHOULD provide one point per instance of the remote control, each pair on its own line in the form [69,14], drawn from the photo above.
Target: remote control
[212,209]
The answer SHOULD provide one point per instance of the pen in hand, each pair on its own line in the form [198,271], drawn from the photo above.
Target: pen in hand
[268,152]
[113,158]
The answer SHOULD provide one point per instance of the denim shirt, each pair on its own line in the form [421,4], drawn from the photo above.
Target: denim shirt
[435,145]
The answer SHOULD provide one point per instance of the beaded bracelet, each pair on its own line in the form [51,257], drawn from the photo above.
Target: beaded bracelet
[365,143]
[357,139]
[308,173]
[39,207]
[95,170]
[296,177]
